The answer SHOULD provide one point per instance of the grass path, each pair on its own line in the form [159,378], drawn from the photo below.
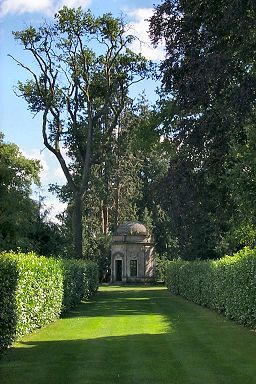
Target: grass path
[134,335]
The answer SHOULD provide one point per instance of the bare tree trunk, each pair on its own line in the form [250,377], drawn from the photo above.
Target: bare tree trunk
[104,217]
[77,217]
[105,213]
[77,226]
[117,200]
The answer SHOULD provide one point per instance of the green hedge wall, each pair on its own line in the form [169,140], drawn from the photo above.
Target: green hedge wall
[35,290]
[8,313]
[80,281]
[227,285]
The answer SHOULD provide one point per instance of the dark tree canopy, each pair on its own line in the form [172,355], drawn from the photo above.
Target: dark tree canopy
[209,83]
[209,67]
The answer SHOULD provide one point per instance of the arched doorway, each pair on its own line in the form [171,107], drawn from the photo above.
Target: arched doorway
[118,270]
[132,254]
[117,267]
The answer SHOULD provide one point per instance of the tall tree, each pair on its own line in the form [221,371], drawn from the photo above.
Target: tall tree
[209,75]
[18,212]
[123,179]
[83,72]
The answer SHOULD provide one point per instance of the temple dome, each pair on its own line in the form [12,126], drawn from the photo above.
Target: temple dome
[132,228]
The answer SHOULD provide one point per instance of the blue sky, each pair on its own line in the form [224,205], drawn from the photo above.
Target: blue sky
[17,124]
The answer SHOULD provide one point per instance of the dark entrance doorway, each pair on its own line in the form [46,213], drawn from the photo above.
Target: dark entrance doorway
[119,270]
[134,268]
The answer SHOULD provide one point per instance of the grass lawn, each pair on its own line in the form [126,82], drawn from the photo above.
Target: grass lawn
[140,335]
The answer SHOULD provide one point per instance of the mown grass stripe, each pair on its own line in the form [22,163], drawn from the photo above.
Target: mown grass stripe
[134,335]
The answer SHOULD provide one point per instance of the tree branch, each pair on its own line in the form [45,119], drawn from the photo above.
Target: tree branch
[57,153]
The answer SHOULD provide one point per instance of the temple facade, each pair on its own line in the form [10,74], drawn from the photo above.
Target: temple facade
[132,254]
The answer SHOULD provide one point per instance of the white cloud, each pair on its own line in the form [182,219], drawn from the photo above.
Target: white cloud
[24,6]
[55,207]
[36,154]
[139,28]
[59,175]
[74,3]
[48,7]
[51,171]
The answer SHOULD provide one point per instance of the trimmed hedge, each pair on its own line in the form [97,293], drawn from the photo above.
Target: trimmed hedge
[227,285]
[80,281]
[8,313]
[35,290]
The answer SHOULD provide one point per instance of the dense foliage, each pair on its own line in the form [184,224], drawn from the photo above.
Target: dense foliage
[122,183]
[80,280]
[227,285]
[80,82]
[185,167]
[24,221]
[34,290]
[208,110]
[17,173]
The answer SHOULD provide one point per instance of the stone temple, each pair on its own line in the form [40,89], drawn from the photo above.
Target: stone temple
[132,254]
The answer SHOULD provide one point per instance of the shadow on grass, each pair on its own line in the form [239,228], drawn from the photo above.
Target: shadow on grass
[109,360]
[124,301]
[195,347]
[138,359]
